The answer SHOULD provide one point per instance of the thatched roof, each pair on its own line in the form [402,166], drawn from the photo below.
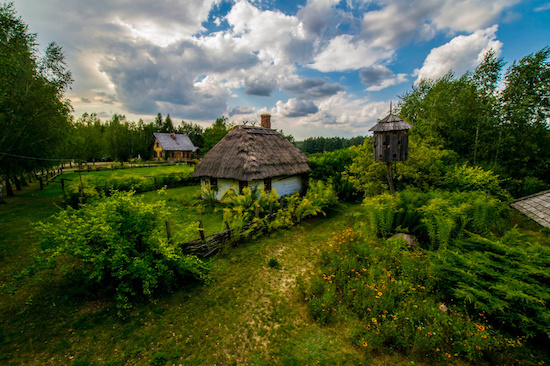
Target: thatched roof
[247,153]
[391,123]
[174,142]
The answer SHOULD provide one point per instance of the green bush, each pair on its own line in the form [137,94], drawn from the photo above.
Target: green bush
[119,243]
[504,278]
[79,193]
[378,214]
[532,185]
[468,178]
[126,183]
[329,166]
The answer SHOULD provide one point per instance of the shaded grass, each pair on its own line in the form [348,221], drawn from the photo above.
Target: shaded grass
[144,171]
[249,313]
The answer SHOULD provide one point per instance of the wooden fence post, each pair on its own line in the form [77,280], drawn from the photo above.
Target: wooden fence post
[201,230]
[168,234]
[257,213]
[228,229]
[41,183]
[62,184]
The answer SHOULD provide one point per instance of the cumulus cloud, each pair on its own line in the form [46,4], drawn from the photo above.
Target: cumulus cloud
[398,22]
[149,78]
[317,15]
[346,53]
[459,55]
[275,36]
[313,88]
[379,77]
[296,108]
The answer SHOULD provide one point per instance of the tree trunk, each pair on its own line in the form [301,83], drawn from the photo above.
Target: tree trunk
[17,184]
[9,188]
[390,178]
[23,181]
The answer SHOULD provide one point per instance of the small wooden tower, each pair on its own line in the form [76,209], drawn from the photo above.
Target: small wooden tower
[390,142]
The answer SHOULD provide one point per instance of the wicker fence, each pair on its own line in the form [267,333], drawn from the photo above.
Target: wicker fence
[205,247]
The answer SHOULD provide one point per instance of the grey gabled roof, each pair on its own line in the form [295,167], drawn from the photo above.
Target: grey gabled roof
[248,153]
[174,142]
[391,123]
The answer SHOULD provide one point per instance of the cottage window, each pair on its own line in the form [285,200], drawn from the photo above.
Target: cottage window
[267,184]
[214,183]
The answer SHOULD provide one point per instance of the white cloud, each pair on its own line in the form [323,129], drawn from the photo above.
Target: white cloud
[345,53]
[469,15]
[398,22]
[296,108]
[276,37]
[460,54]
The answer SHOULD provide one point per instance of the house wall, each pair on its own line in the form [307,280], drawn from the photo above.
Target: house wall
[158,153]
[284,186]
[287,186]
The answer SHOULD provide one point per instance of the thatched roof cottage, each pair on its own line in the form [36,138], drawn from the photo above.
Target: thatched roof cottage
[254,156]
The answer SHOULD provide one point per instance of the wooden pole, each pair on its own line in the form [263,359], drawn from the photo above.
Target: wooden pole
[201,230]
[41,183]
[168,233]
[390,178]
[228,229]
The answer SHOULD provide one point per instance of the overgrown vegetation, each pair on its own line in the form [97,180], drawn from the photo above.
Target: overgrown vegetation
[473,289]
[81,190]
[118,244]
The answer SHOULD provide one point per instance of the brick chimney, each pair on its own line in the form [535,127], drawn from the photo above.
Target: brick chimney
[266,120]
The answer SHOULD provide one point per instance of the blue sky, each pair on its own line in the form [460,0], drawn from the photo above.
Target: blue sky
[321,68]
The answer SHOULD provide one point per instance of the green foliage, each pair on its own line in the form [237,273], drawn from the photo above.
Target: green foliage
[532,185]
[329,166]
[378,214]
[241,209]
[313,145]
[389,290]
[118,243]
[213,134]
[128,182]
[506,278]
[439,216]
[424,169]
[34,114]
[505,129]
[474,178]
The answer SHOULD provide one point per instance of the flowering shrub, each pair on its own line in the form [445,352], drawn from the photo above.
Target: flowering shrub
[391,290]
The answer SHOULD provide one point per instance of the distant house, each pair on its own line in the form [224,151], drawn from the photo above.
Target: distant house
[254,156]
[172,146]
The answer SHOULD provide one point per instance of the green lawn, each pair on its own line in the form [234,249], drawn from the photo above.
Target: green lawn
[247,314]
[144,171]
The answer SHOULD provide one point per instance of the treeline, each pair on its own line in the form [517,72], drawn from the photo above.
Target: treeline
[314,145]
[499,123]
[119,139]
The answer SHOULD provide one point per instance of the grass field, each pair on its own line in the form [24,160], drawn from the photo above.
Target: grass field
[249,313]
[143,171]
